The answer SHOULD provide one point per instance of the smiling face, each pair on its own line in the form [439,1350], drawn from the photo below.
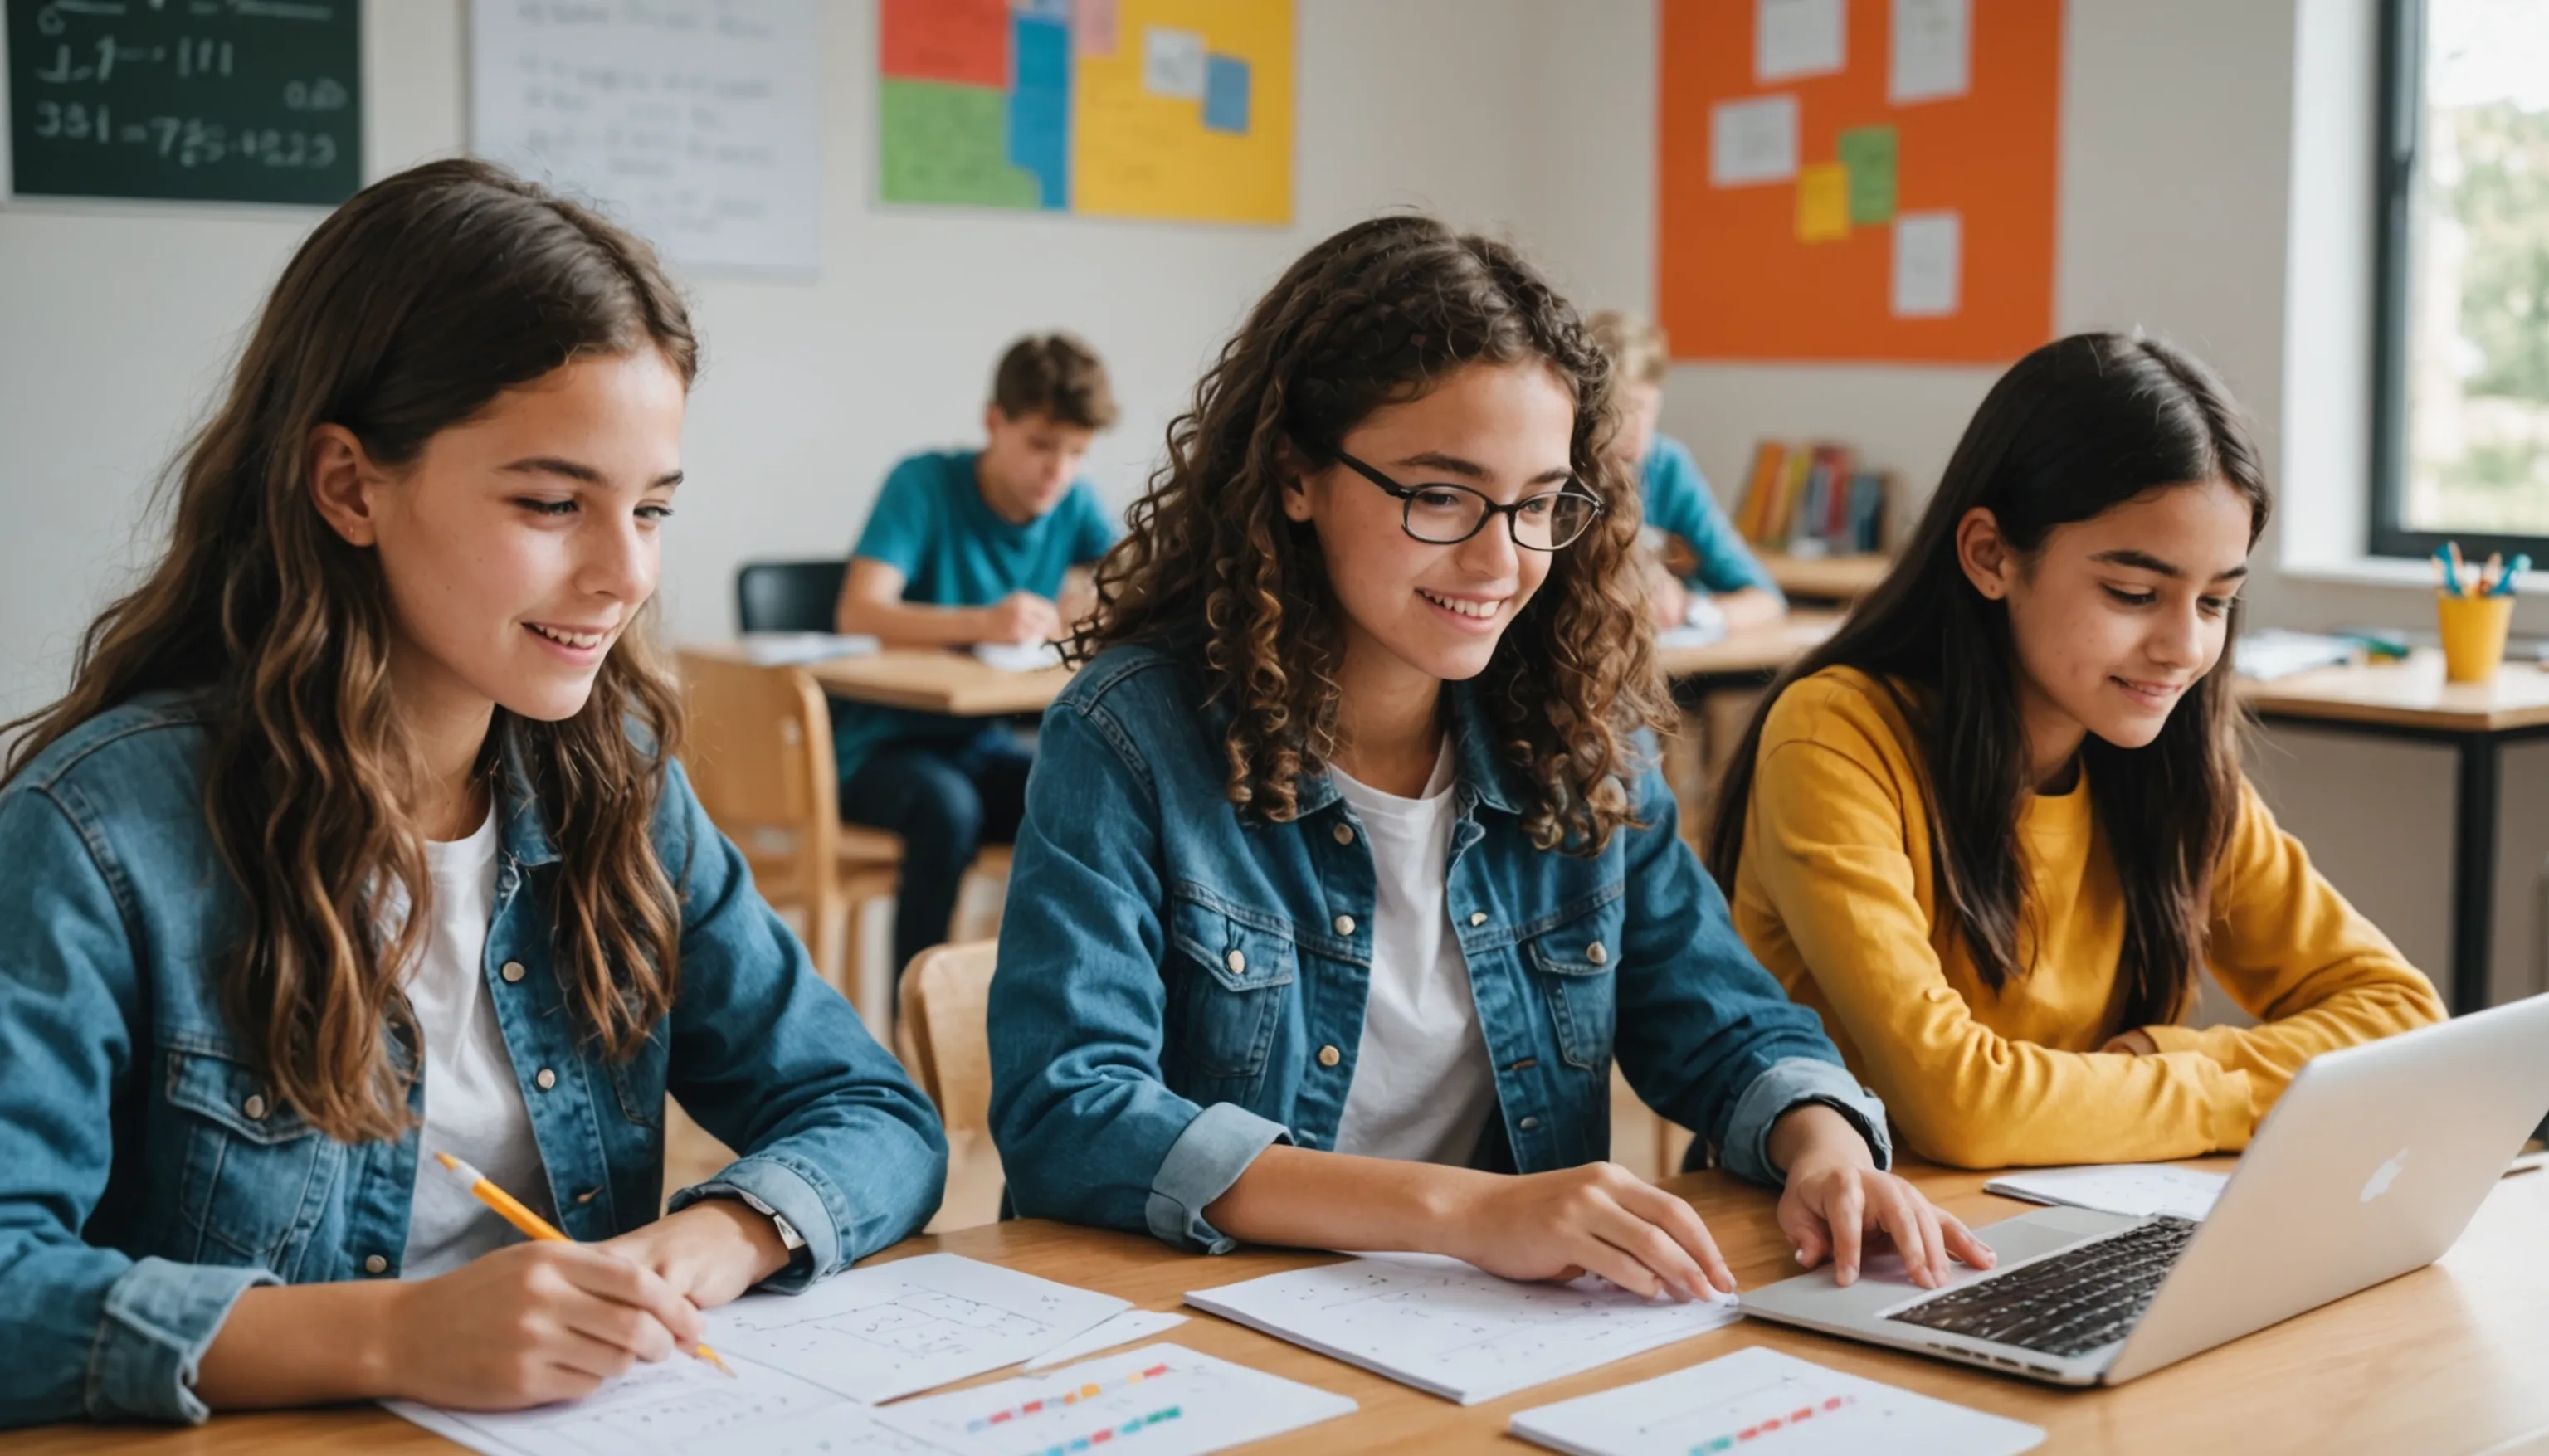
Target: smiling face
[1418,615]
[2115,618]
[519,545]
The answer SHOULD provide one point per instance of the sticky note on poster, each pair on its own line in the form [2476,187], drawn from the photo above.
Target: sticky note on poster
[1174,63]
[1752,141]
[1797,37]
[1929,264]
[1092,28]
[1823,202]
[1933,56]
[1872,156]
[1225,95]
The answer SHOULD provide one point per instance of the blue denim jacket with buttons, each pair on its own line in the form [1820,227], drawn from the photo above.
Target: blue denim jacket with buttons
[1179,987]
[147,1176]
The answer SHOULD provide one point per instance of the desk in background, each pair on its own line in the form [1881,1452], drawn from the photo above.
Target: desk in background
[2446,1359]
[1838,580]
[2410,702]
[956,683]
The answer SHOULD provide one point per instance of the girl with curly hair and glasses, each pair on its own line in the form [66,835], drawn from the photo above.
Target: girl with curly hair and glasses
[359,839]
[1346,869]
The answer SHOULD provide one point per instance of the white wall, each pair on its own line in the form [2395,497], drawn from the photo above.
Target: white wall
[117,322]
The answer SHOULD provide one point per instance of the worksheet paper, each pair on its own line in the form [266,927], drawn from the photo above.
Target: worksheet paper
[1454,1330]
[1759,1401]
[2136,1190]
[1019,657]
[1123,1329]
[892,1329]
[679,1408]
[1157,1401]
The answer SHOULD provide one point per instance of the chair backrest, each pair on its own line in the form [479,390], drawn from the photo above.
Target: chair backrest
[788,595]
[759,751]
[946,998]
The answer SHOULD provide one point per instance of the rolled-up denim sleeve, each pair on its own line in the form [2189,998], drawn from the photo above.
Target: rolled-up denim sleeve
[1787,1085]
[1705,1035]
[1088,1130]
[85,1333]
[834,1137]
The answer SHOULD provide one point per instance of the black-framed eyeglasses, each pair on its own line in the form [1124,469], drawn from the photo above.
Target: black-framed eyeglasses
[1446,514]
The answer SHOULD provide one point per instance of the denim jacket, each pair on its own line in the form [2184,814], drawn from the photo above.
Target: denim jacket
[147,1176]
[1179,987]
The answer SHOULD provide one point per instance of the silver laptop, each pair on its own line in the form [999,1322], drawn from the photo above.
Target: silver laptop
[2370,1165]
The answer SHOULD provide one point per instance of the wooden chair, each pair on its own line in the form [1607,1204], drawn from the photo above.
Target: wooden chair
[760,757]
[943,1035]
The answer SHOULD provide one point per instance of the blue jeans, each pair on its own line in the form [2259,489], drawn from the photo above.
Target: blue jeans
[947,800]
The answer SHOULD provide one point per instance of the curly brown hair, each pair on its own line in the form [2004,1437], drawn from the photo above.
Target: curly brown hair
[1374,316]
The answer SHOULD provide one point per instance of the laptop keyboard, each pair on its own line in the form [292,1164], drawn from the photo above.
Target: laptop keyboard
[2069,1303]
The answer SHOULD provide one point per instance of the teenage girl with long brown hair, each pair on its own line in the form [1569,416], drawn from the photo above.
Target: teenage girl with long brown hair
[1995,827]
[1346,869]
[358,838]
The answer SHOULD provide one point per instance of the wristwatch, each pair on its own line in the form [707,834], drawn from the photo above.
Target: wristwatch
[789,1238]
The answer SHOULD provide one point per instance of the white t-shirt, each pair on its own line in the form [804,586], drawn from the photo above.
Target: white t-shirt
[1423,1087]
[473,1103]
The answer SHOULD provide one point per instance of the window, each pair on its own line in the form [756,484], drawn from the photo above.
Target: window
[2461,420]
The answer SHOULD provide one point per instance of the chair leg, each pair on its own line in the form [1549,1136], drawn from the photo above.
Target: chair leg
[876,1009]
[834,924]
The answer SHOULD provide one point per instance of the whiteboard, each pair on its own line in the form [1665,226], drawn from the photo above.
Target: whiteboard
[691,121]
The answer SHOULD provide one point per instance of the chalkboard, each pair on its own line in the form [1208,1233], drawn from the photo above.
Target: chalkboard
[195,99]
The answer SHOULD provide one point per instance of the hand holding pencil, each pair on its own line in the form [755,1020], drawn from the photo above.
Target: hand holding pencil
[532,1226]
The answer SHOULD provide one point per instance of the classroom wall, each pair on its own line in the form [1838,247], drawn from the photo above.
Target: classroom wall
[117,323]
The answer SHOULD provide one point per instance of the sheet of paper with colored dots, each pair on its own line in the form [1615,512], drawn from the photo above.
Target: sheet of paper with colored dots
[1161,1400]
[1762,1403]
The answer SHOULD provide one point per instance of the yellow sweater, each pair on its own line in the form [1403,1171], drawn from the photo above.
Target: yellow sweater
[1837,896]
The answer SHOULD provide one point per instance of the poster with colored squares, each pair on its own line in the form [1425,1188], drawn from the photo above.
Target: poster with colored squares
[1857,180]
[1160,108]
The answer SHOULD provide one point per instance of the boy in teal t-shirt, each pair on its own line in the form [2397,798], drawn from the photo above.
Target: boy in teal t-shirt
[1728,586]
[966,547]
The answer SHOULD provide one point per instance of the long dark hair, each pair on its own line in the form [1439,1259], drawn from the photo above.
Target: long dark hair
[2082,425]
[1376,315]
[407,310]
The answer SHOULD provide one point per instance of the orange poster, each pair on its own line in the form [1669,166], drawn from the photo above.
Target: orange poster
[1858,180]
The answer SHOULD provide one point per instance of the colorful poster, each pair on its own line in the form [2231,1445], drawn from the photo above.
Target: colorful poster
[1164,108]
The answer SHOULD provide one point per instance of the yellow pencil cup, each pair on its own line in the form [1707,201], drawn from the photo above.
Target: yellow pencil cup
[2474,630]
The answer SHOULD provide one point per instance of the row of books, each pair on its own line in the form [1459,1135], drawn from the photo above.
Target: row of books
[1813,501]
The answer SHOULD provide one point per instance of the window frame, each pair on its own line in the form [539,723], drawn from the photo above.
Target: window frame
[2399,151]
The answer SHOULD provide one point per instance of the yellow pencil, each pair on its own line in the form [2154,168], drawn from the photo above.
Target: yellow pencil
[512,1210]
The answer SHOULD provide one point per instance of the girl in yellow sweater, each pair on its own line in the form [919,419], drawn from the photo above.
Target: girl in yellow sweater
[1992,830]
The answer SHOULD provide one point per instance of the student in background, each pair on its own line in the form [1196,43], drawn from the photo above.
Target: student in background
[1728,587]
[1346,870]
[359,837]
[1995,827]
[966,547]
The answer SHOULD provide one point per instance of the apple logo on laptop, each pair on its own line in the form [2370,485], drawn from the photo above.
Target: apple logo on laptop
[2384,1175]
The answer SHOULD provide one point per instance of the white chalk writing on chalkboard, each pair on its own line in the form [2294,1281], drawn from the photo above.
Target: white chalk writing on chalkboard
[692,120]
[253,100]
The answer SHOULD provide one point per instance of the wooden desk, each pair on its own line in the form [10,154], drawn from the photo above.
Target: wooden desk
[2446,1359]
[1833,578]
[956,683]
[2410,702]
[1752,653]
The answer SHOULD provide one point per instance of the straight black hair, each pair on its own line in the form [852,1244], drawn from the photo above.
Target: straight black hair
[2077,428]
